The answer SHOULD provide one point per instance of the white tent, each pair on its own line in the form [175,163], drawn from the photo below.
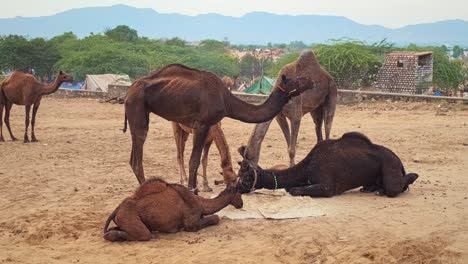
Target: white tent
[101,82]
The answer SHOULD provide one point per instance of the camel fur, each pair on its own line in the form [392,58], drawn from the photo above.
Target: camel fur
[333,167]
[23,89]
[215,134]
[169,208]
[320,102]
[196,99]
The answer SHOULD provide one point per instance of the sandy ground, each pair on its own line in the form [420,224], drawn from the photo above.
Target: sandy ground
[56,194]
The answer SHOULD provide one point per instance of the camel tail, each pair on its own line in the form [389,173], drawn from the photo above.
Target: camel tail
[125,123]
[109,219]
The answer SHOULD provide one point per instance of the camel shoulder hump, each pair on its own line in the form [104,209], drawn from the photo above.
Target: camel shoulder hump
[151,186]
[357,135]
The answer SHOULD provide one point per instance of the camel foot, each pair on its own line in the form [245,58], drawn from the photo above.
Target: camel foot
[369,189]
[206,188]
[34,140]
[380,192]
[26,140]
[194,190]
[13,139]
[2,139]
[115,235]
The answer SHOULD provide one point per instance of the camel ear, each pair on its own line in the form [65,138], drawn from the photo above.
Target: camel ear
[283,78]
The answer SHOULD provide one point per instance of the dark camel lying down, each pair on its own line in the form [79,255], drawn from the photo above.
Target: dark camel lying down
[160,206]
[333,167]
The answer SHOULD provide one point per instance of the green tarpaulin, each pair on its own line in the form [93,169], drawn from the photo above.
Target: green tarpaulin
[261,86]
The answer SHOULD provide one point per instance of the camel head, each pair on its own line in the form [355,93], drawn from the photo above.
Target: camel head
[64,77]
[410,179]
[237,201]
[247,177]
[293,86]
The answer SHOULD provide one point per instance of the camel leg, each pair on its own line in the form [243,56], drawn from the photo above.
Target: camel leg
[315,190]
[33,121]
[181,138]
[295,125]
[317,116]
[206,221]
[283,123]
[252,152]
[138,121]
[130,227]
[2,105]
[8,106]
[199,138]
[329,109]
[28,110]
[206,150]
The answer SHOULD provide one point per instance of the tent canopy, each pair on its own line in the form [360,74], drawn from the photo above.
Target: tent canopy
[101,82]
[262,86]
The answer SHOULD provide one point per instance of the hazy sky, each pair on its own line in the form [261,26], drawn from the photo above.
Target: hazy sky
[389,13]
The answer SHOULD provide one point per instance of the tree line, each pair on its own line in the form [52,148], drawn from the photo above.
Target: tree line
[122,51]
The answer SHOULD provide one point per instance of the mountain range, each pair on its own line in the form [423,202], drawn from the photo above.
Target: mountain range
[252,28]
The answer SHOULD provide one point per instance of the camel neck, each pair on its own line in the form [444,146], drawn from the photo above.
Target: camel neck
[249,113]
[278,179]
[223,147]
[51,88]
[211,206]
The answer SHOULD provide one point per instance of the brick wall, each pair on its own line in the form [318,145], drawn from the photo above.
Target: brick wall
[405,72]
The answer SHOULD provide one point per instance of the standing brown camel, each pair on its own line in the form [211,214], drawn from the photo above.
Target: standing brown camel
[159,206]
[231,83]
[197,99]
[216,133]
[319,102]
[23,89]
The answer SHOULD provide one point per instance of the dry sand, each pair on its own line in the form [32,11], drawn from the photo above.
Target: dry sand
[56,194]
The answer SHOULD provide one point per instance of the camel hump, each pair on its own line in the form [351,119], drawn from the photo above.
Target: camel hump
[357,135]
[307,64]
[150,186]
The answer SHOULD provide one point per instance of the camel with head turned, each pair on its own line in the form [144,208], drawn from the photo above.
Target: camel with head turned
[23,89]
[319,102]
[231,83]
[216,134]
[196,99]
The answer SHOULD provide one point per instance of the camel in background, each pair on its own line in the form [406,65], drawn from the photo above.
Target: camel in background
[23,89]
[320,102]
[216,133]
[231,83]
[196,99]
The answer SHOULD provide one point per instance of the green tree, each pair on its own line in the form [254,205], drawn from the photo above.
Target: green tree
[15,53]
[285,59]
[213,45]
[176,42]
[122,33]
[457,51]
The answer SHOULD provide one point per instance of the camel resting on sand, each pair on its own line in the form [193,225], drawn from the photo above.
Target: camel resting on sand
[333,167]
[160,206]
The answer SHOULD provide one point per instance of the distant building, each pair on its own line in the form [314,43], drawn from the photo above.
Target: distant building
[406,72]
[273,54]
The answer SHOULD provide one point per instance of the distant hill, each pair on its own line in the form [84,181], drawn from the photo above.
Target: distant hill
[252,28]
